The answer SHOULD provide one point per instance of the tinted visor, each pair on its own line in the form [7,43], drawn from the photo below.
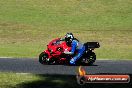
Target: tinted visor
[68,40]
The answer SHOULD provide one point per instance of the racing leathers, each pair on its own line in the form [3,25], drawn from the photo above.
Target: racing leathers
[79,48]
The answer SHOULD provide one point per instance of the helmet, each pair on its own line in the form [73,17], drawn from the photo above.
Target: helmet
[68,38]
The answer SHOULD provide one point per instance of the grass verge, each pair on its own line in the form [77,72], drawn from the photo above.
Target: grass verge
[27,26]
[23,80]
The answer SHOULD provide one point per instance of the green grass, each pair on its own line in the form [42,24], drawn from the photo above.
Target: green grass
[11,80]
[23,80]
[26,26]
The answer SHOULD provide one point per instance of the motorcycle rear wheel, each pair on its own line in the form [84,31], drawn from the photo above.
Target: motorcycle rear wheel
[90,59]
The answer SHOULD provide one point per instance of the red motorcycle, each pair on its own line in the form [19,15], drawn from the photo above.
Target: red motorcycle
[55,53]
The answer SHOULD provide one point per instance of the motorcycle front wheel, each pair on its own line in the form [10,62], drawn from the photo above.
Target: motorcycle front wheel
[43,58]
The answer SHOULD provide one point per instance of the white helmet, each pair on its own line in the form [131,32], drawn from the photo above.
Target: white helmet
[69,37]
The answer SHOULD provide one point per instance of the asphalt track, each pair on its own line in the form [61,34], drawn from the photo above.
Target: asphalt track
[33,66]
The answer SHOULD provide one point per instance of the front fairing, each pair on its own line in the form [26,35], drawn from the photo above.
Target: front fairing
[56,47]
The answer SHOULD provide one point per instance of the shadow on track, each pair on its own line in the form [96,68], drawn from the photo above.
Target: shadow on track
[82,65]
[66,81]
[73,65]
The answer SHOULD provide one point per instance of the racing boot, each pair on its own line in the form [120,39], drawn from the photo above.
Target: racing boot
[72,61]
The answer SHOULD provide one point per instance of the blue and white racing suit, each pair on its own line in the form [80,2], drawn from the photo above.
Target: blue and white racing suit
[79,47]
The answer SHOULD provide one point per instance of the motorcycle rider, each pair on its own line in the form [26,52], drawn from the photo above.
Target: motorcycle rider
[75,46]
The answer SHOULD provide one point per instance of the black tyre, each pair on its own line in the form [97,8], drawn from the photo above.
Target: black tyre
[43,58]
[91,58]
